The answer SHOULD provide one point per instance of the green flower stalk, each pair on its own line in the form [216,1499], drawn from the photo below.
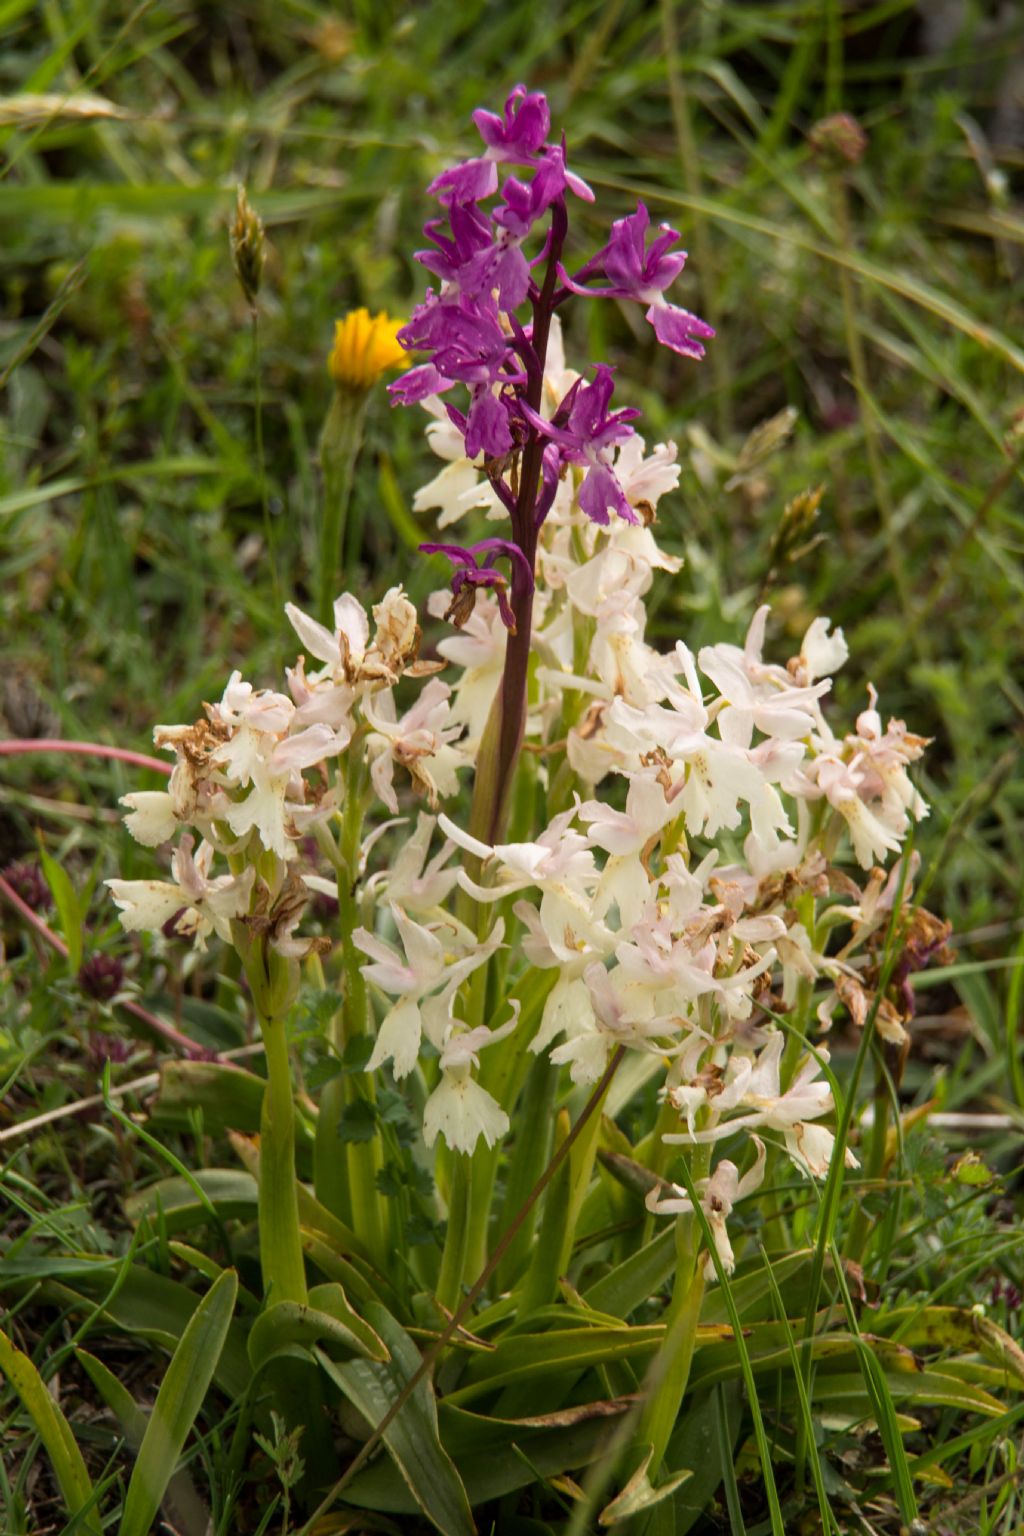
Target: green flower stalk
[274,982]
[364,349]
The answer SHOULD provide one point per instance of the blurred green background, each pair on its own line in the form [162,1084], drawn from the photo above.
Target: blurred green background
[878,301]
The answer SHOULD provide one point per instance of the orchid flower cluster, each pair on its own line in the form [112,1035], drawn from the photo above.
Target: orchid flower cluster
[684,882]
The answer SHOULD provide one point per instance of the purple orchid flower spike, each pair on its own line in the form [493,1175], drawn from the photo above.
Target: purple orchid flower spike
[420,383]
[470,575]
[470,234]
[635,270]
[586,431]
[474,333]
[471,348]
[485,426]
[520,134]
[517,137]
[500,267]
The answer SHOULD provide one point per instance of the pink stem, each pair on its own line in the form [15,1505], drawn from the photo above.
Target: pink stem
[15,747]
[45,932]
[43,929]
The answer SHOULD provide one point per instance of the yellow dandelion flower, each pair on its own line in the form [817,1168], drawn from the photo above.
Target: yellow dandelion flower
[365,346]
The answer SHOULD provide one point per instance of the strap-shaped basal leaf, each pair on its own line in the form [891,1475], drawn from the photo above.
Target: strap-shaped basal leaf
[956,1328]
[638,1277]
[497,1456]
[230,1098]
[412,1436]
[230,1191]
[177,1403]
[705,1439]
[54,1431]
[331,1298]
[523,1356]
[191,1517]
[152,1307]
[328,1319]
[69,906]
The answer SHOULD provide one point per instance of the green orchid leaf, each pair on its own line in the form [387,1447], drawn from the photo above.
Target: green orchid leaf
[54,1431]
[229,1191]
[181,1394]
[412,1437]
[229,1097]
[191,1517]
[153,1307]
[70,908]
[956,1328]
[528,1356]
[495,1456]
[287,1324]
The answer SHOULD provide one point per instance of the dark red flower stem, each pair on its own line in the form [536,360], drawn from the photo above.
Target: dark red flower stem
[497,773]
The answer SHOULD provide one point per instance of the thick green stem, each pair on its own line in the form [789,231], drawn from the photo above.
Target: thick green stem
[456,1242]
[284,1272]
[340,442]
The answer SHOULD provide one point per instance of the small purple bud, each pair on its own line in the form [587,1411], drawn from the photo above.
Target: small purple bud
[101,977]
[104,1048]
[838,140]
[28,881]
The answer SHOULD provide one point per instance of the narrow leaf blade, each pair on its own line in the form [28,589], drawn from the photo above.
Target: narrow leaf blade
[54,1431]
[412,1438]
[178,1402]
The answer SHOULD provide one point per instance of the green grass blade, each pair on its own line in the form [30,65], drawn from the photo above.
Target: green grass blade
[69,907]
[1014,1048]
[827,1520]
[761,1437]
[118,1399]
[725,1443]
[178,1402]
[884,1410]
[54,1431]
[895,281]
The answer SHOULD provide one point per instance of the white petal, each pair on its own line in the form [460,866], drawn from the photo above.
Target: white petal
[146,905]
[398,1039]
[151,819]
[317,640]
[461,1111]
[304,749]
[351,621]
[822,653]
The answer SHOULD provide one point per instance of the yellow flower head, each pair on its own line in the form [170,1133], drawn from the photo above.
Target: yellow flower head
[364,348]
